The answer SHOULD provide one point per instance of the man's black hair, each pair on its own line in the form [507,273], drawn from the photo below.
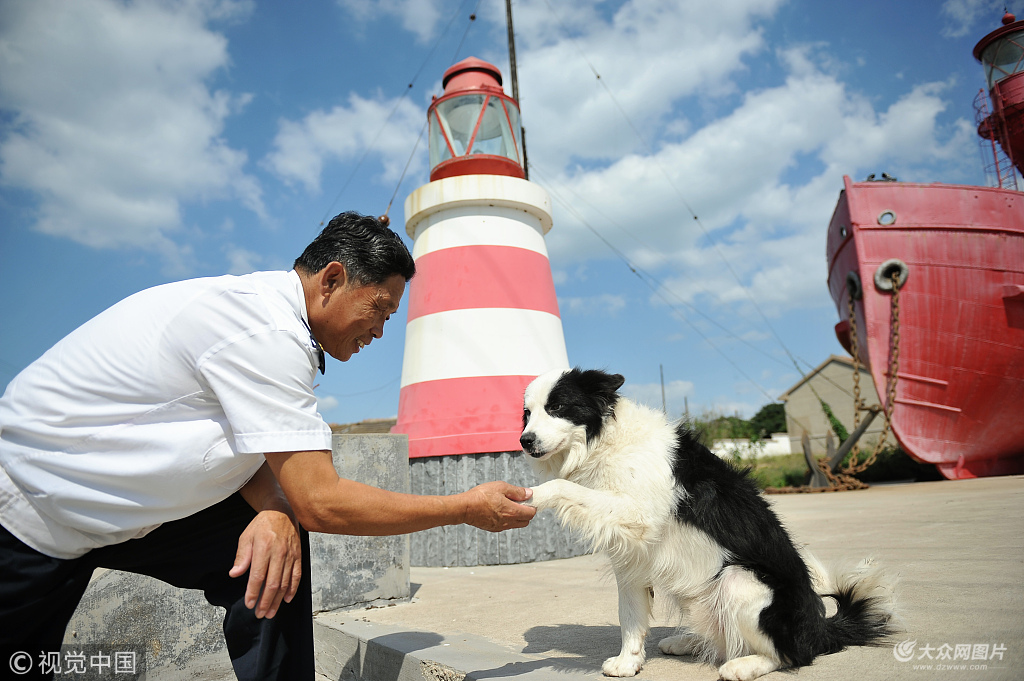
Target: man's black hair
[370,251]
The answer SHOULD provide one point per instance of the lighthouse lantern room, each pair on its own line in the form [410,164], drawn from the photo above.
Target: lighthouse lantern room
[474,125]
[1001,52]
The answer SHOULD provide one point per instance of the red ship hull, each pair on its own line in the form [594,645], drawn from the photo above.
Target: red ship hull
[960,391]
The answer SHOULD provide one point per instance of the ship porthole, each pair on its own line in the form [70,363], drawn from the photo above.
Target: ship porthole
[887,218]
[883,275]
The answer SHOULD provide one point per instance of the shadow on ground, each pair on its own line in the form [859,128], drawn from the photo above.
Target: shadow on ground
[574,648]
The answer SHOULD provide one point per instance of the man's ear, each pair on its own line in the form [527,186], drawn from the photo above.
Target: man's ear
[332,278]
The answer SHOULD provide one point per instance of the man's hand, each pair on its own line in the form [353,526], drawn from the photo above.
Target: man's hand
[493,506]
[271,550]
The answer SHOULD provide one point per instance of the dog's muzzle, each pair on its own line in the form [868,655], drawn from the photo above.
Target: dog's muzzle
[529,444]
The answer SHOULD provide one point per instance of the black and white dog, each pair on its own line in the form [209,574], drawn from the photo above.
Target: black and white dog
[676,519]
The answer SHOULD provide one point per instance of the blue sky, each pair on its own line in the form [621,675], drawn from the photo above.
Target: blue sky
[143,142]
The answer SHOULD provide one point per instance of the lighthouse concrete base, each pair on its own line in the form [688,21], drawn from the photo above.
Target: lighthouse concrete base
[462,545]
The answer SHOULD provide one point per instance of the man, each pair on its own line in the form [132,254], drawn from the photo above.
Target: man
[176,435]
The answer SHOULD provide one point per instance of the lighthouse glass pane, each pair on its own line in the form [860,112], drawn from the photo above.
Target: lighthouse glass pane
[517,128]
[495,135]
[458,117]
[1004,57]
[438,146]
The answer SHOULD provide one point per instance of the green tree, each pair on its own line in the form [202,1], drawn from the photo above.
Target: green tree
[771,418]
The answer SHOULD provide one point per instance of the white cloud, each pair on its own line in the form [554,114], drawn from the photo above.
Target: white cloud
[962,15]
[649,54]
[605,304]
[241,260]
[389,127]
[326,403]
[112,125]
[420,17]
[650,394]
[737,173]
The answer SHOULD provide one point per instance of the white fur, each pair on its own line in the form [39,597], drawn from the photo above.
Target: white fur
[619,492]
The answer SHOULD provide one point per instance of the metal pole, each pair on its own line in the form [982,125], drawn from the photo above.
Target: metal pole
[515,77]
[512,50]
[662,369]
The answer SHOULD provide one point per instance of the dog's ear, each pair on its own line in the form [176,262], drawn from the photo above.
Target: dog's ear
[602,386]
[597,381]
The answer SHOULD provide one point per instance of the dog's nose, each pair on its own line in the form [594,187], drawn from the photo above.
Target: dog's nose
[527,440]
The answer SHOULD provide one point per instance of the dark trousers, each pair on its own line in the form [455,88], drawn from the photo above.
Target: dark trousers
[39,594]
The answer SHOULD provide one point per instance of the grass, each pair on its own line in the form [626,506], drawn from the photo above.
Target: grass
[790,470]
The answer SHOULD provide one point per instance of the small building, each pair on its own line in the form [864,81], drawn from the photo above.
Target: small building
[778,444]
[832,382]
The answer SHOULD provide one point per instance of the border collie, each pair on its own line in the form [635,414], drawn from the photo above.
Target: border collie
[677,520]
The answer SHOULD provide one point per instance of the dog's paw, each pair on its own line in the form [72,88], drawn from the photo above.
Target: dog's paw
[544,495]
[623,665]
[747,668]
[684,644]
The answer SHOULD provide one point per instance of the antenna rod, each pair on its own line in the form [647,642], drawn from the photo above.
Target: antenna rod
[515,77]
[512,50]
[663,407]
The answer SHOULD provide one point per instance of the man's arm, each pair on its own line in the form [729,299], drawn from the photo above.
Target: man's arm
[270,547]
[325,502]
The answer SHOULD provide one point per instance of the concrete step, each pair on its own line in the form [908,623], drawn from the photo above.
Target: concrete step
[350,647]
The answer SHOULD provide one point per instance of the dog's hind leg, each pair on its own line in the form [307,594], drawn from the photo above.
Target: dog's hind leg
[750,652]
[634,619]
[747,668]
[680,644]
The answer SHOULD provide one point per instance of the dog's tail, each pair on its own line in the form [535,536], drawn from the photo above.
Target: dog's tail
[865,600]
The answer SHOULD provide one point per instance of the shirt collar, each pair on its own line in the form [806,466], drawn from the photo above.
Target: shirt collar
[304,316]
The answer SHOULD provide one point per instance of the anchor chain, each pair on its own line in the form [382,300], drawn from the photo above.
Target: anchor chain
[844,477]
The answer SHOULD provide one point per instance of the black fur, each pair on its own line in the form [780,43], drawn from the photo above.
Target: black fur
[585,398]
[724,502]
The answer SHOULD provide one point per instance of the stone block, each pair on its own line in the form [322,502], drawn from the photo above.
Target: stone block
[355,571]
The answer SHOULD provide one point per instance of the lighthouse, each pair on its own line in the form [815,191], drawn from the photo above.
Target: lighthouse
[1001,52]
[483,318]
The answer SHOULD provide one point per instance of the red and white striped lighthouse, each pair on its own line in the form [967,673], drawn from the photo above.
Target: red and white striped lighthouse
[482,314]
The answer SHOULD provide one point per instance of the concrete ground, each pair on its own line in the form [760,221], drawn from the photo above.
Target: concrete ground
[958,548]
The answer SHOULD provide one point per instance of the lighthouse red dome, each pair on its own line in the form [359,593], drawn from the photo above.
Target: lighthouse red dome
[472,74]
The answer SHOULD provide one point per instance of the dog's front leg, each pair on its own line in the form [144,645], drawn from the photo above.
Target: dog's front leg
[605,518]
[634,619]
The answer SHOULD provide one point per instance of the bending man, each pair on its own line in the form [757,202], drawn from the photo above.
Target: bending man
[176,435]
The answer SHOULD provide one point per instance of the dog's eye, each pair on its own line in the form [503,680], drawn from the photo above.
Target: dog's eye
[554,407]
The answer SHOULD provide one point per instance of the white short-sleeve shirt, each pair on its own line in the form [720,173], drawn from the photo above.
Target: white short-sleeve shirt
[157,408]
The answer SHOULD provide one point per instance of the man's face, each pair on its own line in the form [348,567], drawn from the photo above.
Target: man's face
[352,315]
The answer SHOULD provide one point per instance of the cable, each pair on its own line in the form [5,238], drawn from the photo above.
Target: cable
[635,270]
[679,194]
[398,102]
[472,18]
[659,284]
[404,170]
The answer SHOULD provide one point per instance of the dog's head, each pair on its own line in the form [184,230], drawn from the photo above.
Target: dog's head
[561,407]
